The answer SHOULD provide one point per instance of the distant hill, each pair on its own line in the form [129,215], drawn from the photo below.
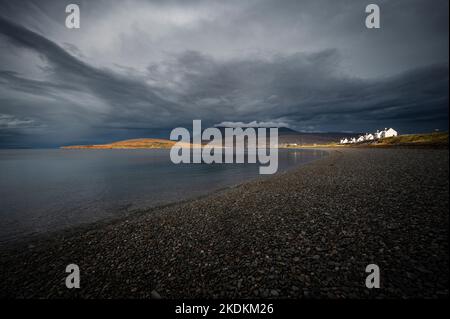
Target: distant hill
[144,143]
[285,136]
[289,136]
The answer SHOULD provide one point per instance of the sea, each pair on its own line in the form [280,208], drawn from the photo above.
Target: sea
[45,190]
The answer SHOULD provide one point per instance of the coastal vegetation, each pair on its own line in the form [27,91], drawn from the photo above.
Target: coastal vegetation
[141,143]
[430,139]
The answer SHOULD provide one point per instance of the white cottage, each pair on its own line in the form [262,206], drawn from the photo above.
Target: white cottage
[378,134]
[389,132]
[360,139]
[369,137]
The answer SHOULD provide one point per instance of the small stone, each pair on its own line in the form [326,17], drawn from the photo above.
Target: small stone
[155,295]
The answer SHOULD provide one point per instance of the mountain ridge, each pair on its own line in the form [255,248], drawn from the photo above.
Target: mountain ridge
[285,136]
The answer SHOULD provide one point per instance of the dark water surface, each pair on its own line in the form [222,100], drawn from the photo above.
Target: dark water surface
[47,190]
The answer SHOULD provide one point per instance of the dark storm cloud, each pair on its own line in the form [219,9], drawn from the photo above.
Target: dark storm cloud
[307,91]
[75,75]
[290,62]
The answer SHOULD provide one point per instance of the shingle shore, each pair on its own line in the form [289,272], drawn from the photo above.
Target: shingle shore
[309,233]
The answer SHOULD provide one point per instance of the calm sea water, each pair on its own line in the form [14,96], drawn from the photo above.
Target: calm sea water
[47,190]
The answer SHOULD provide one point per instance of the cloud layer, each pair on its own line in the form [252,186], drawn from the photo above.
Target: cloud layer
[196,63]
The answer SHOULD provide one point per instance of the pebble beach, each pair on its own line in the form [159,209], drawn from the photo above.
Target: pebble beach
[306,233]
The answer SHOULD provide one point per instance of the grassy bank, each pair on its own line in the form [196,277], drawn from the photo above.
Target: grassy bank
[142,143]
[431,139]
[428,140]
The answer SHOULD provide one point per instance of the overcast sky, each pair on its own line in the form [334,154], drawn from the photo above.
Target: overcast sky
[140,68]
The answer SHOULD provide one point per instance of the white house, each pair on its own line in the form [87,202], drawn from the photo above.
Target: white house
[369,137]
[389,132]
[352,140]
[360,139]
[378,134]
[344,141]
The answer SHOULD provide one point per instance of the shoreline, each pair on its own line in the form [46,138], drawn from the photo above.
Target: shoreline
[20,242]
[305,233]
